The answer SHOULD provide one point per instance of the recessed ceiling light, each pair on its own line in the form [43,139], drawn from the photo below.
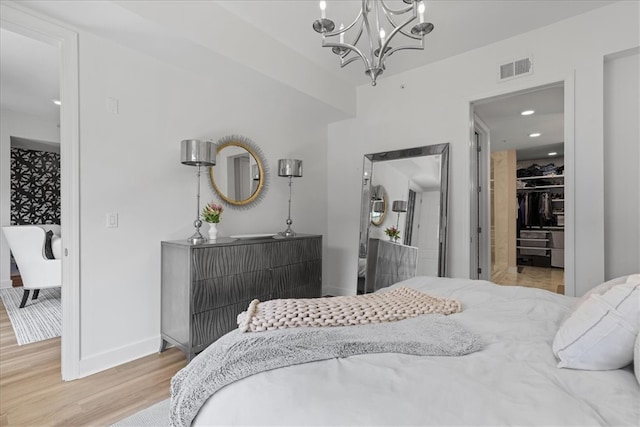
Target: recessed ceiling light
[553,153]
[56,101]
[527,113]
[534,135]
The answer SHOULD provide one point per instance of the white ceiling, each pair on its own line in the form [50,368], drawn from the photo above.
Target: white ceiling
[509,130]
[460,26]
[286,25]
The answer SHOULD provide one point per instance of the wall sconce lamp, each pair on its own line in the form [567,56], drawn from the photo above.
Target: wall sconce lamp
[290,168]
[399,206]
[194,152]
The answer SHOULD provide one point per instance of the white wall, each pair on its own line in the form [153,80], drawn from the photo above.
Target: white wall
[22,125]
[435,109]
[130,165]
[621,161]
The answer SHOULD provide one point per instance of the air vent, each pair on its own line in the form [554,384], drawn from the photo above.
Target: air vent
[516,68]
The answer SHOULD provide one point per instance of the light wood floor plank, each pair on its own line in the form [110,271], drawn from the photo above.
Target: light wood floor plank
[550,279]
[33,394]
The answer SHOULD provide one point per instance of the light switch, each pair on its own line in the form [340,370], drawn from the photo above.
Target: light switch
[112,220]
[113,105]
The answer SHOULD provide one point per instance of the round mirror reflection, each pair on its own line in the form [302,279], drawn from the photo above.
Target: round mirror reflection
[239,175]
[379,205]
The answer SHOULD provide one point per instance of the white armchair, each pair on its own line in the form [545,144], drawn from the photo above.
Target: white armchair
[27,245]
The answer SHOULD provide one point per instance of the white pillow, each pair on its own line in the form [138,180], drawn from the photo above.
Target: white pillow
[56,246]
[600,333]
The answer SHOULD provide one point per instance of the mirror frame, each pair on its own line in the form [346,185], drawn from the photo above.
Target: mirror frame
[263,170]
[427,150]
[384,212]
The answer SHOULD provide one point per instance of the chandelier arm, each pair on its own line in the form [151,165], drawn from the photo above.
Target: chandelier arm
[409,20]
[351,49]
[345,29]
[383,55]
[348,47]
[344,63]
[398,11]
[365,19]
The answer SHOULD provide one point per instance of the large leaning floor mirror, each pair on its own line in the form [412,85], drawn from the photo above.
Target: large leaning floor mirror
[403,221]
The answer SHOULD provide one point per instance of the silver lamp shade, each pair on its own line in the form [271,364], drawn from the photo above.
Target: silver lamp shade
[290,168]
[378,206]
[194,152]
[399,206]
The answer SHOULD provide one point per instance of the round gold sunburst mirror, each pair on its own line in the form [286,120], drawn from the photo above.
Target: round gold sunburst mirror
[379,205]
[240,174]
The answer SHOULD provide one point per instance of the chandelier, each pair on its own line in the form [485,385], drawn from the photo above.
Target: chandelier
[375,15]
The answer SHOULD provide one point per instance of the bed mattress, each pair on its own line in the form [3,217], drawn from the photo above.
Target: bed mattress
[514,380]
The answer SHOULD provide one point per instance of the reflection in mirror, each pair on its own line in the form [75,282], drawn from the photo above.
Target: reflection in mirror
[378,205]
[416,180]
[240,171]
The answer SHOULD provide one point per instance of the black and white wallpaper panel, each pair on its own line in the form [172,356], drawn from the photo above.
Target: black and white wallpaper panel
[35,187]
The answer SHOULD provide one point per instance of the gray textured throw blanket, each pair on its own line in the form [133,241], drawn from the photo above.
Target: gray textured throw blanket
[238,355]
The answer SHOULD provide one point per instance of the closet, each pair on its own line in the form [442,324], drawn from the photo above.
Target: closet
[540,202]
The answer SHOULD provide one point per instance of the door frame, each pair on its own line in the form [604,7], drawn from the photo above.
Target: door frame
[480,196]
[19,20]
[527,85]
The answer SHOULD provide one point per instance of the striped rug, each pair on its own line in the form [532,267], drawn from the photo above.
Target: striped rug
[39,320]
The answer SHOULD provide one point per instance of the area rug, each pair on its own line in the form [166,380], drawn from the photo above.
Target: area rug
[154,416]
[39,320]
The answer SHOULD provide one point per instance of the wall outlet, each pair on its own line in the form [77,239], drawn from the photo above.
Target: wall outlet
[112,220]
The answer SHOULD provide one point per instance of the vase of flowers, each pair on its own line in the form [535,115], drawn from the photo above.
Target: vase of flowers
[211,214]
[393,233]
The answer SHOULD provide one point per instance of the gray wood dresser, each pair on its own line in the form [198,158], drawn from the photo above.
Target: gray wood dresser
[389,263]
[206,286]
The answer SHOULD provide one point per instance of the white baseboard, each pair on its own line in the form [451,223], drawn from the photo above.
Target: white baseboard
[5,284]
[100,362]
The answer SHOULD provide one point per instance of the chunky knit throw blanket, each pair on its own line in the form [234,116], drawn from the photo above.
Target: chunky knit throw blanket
[397,304]
[238,355]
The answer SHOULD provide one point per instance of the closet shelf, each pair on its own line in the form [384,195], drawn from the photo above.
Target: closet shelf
[527,178]
[541,187]
[539,248]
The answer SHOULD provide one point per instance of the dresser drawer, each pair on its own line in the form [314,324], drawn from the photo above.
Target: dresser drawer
[210,325]
[298,275]
[221,261]
[222,291]
[285,252]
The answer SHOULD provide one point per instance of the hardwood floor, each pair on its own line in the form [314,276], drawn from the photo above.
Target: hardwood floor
[33,394]
[551,279]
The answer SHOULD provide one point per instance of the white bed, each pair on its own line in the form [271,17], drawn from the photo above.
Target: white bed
[514,380]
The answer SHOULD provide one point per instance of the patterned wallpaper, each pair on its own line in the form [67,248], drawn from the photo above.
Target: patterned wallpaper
[35,187]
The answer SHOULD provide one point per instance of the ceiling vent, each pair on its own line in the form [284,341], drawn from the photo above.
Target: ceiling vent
[517,68]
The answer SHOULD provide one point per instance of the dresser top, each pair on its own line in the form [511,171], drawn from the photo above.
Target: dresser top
[228,241]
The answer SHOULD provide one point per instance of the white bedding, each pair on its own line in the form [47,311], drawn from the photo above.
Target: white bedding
[513,381]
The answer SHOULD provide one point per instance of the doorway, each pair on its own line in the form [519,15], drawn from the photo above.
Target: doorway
[522,207]
[66,43]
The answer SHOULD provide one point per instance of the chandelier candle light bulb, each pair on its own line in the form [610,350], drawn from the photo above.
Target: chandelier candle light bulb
[421,12]
[323,10]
